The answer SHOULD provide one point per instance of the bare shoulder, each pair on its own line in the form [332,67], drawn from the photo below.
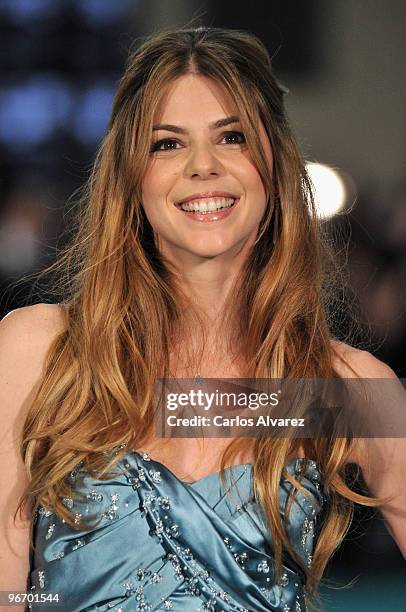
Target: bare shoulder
[351,362]
[38,318]
[25,337]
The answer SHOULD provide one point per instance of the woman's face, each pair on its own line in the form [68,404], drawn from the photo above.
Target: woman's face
[193,158]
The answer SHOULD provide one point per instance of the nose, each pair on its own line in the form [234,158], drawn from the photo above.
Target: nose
[203,163]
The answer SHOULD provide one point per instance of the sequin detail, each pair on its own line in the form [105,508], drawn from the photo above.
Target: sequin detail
[41,579]
[263,567]
[94,496]
[307,530]
[44,511]
[50,531]
[111,513]
[68,502]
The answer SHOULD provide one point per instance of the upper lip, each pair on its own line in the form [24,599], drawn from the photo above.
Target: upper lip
[207,194]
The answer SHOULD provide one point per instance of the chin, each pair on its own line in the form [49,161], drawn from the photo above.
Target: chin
[215,250]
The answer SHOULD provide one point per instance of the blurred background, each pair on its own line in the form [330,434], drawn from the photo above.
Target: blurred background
[342,63]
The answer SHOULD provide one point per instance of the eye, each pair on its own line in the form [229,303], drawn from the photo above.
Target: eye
[235,135]
[158,144]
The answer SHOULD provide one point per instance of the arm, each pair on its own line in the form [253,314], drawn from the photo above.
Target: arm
[25,335]
[382,460]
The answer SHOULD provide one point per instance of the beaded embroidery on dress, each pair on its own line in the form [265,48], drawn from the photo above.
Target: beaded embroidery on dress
[163,544]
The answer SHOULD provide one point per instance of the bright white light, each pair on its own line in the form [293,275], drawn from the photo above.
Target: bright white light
[329,189]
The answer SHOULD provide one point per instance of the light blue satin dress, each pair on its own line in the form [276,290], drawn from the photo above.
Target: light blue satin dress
[163,544]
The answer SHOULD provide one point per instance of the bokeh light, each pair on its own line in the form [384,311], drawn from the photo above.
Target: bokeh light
[329,189]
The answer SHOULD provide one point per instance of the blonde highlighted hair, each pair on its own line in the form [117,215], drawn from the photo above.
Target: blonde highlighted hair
[123,302]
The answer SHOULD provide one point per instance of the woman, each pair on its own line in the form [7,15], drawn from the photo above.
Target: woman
[198,252]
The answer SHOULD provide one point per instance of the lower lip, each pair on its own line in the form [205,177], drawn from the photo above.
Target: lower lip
[209,217]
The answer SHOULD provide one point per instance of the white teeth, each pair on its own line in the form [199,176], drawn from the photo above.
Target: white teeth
[207,205]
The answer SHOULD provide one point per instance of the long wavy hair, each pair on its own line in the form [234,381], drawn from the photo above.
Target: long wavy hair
[123,303]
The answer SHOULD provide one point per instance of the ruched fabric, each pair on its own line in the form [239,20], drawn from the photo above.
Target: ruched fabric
[163,544]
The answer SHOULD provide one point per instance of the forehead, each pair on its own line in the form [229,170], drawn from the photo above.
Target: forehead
[196,95]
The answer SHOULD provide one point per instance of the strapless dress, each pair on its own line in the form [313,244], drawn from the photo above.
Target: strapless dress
[164,544]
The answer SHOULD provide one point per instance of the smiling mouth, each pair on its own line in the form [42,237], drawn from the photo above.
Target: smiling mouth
[207,205]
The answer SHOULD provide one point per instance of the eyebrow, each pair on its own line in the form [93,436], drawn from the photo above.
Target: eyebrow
[213,126]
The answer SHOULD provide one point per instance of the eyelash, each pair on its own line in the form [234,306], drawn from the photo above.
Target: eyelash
[156,145]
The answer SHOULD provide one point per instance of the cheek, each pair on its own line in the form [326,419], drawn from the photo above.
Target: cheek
[154,203]
[249,177]
[157,184]
[256,193]
[149,194]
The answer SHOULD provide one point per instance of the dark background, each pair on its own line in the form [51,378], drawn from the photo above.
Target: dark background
[344,64]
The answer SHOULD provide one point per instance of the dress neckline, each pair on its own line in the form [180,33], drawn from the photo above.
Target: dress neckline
[239,466]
